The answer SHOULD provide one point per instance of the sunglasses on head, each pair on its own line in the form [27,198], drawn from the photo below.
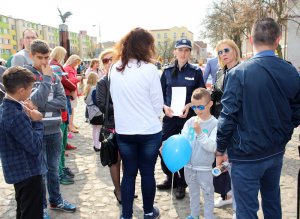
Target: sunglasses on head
[106,60]
[226,50]
[200,107]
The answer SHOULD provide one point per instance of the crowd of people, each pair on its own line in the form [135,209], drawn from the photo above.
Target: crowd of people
[246,119]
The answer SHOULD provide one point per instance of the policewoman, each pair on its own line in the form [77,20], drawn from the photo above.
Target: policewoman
[187,77]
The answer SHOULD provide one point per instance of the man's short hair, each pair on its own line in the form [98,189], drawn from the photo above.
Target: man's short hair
[199,93]
[17,77]
[31,30]
[39,46]
[265,31]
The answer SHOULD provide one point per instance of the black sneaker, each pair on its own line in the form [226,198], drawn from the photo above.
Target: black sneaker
[166,185]
[180,192]
[68,172]
[155,214]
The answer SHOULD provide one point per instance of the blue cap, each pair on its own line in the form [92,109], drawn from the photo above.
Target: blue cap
[183,43]
[57,70]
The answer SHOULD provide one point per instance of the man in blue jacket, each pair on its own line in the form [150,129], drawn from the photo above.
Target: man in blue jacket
[211,68]
[261,108]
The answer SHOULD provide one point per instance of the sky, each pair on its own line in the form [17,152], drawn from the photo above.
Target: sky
[114,17]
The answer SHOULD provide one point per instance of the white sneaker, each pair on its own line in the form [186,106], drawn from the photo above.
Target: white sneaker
[234,216]
[220,202]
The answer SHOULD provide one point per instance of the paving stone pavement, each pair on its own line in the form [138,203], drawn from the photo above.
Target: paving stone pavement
[93,195]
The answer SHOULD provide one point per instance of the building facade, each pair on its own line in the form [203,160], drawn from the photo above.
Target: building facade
[165,40]
[290,39]
[11,38]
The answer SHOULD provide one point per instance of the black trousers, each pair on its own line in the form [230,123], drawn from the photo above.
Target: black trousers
[29,197]
[173,126]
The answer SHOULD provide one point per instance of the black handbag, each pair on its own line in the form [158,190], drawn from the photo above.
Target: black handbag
[107,137]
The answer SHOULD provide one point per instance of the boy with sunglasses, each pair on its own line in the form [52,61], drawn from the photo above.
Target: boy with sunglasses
[201,131]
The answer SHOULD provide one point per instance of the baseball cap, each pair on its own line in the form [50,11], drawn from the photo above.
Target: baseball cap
[183,43]
[57,70]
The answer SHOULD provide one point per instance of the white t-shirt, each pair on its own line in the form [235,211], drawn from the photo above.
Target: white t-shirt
[137,97]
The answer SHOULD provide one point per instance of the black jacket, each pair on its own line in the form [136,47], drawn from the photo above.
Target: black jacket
[101,93]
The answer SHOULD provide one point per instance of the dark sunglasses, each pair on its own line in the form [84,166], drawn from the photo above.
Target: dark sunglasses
[105,61]
[200,107]
[226,50]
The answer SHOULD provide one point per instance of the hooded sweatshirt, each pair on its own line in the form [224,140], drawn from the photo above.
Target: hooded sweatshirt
[49,96]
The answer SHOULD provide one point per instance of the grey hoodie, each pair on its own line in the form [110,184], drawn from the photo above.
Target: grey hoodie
[49,96]
[203,145]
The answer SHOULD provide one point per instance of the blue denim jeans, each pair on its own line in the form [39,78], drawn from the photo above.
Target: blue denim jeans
[52,151]
[248,178]
[138,152]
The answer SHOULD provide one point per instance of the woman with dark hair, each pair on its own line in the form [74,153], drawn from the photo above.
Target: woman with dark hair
[138,101]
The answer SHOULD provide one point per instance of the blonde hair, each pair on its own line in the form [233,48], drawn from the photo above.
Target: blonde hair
[231,44]
[104,53]
[200,93]
[58,54]
[91,81]
[72,59]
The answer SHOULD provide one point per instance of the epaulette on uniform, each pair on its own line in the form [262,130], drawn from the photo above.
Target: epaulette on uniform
[170,66]
[195,67]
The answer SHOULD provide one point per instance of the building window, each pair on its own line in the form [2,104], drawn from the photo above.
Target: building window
[1,40]
[183,35]
[15,47]
[13,27]
[165,35]
[158,36]
[5,31]
[7,51]
[158,44]
[174,35]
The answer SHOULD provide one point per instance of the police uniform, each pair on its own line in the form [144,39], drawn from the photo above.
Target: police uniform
[188,76]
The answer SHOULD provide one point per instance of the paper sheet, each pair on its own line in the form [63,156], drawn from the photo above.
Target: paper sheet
[178,100]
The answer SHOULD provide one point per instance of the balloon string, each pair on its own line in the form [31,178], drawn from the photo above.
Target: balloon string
[171,201]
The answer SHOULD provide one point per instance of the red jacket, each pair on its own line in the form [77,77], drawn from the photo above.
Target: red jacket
[72,74]
[66,82]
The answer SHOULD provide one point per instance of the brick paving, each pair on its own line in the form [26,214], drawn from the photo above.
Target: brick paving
[93,190]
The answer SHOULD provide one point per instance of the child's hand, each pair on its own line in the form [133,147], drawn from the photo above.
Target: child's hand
[30,105]
[47,70]
[34,115]
[197,127]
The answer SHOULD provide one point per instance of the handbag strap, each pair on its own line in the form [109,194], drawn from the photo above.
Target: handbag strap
[107,97]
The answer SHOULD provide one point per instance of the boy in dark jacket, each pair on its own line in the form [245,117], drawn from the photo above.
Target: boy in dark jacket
[21,143]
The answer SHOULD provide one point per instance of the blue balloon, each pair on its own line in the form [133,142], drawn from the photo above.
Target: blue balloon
[176,152]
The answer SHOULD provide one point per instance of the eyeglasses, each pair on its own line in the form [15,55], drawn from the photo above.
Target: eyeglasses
[106,60]
[200,107]
[226,50]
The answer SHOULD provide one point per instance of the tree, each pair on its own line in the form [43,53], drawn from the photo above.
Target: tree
[233,19]
[282,11]
[229,19]
[165,50]
[64,16]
